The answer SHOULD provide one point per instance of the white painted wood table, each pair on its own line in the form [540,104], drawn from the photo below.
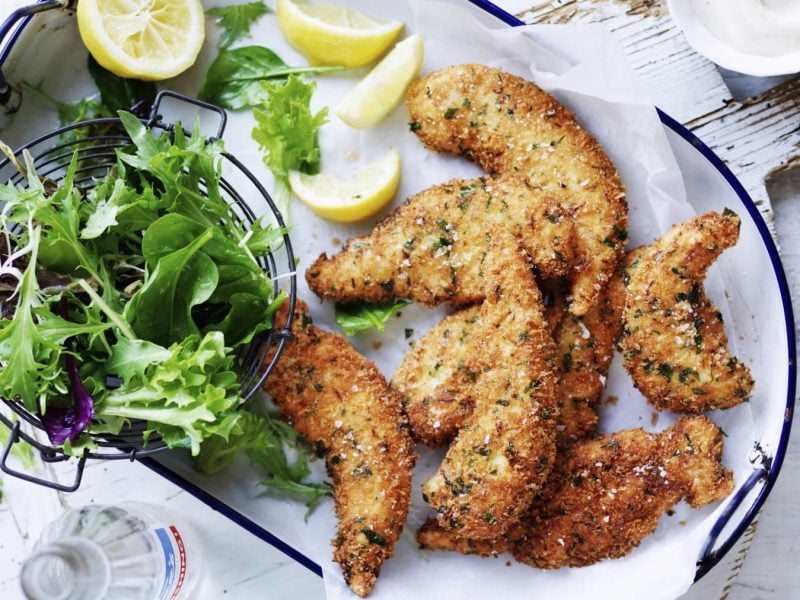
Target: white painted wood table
[754,125]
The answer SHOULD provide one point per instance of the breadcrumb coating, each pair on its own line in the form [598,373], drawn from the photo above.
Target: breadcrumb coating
[674,343]
[507,124]
[342,404]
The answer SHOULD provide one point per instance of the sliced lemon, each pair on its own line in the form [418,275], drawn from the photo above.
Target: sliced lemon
[334,35]
[357,197]
[384,87]
[143,39]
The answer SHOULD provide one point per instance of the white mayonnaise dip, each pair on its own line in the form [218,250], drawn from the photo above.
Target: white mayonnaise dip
[760,27]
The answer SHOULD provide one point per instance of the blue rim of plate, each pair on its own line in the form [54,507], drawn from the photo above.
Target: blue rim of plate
[710,555]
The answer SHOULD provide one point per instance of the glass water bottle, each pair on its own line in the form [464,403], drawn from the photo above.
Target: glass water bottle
[127,552]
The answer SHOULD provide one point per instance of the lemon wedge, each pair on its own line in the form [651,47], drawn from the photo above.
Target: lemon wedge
[359,196]
[143,39]
[334,35]
[384,87]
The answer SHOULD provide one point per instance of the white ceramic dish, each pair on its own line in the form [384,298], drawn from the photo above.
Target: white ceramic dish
[703,41]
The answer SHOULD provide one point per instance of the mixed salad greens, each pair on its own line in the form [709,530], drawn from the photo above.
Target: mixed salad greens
[127,301]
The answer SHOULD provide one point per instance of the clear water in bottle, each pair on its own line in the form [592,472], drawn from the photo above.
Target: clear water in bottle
[127,552]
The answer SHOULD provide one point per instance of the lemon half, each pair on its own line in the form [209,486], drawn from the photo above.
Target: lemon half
[360,195]
[384,87]
[334,35]
[143,39]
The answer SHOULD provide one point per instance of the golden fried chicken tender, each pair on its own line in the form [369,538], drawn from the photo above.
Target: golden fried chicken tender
[674,342]
[585,349]
[505,448]
[342,404]
[508,125]
[605,496]
[432,248]
[608,494]
[437,376]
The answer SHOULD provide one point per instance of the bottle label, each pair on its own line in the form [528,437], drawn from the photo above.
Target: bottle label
[174,562]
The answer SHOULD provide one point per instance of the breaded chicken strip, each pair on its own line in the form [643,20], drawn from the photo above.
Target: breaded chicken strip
[342,404]
[432,248]
[505,448]
[437,376]
[674,342]
[585,349]
[508,125]
[605,496]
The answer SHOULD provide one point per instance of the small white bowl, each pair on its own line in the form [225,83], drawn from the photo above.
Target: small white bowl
[703,41]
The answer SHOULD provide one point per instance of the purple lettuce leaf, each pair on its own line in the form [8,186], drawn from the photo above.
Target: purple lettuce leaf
[62,424]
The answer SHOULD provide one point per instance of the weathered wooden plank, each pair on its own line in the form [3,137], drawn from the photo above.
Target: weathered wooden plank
[756,138]
[656,48]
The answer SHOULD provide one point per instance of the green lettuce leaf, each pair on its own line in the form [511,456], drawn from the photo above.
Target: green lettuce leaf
[235,20]
[262,439]
[234,79]
[360,316]
[131,358]
[187,398]
[288,132]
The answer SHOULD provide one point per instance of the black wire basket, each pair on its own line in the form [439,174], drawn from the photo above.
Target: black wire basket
[96,147]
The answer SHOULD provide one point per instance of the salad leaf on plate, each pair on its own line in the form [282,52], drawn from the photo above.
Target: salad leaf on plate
[119,93]
[234,78]
[288,132]
[235,20]
[262,438]
[353,317]
[114,93]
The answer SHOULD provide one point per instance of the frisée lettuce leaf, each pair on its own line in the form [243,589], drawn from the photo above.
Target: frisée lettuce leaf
[288,132]
[264,439]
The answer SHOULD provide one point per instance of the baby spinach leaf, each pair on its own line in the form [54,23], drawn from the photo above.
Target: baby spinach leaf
[115,93]
[119,93]
[160,311]
[235,20]
[359,316]
[249,314]
[242,296]
[234,78]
